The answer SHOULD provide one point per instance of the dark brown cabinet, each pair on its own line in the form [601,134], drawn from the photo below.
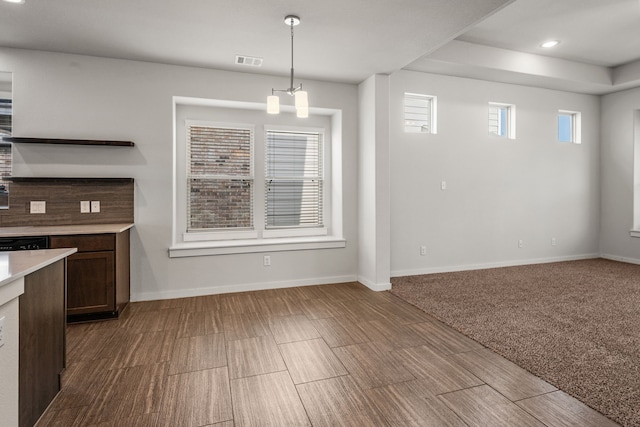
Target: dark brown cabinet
[42,341]
[97,275]
[94,274]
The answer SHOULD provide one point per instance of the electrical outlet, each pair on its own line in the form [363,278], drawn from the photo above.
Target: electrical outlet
[553,241]
[423,250]
[38,207]
[95,206]
[85,206]
[266,261]
[1,331]
[520,243]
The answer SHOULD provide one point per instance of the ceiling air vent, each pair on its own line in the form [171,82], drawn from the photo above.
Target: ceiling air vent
[251,61]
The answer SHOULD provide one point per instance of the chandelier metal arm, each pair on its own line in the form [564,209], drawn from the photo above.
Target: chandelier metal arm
[292,20]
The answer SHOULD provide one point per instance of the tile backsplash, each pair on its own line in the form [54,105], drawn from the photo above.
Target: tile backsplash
[62,197]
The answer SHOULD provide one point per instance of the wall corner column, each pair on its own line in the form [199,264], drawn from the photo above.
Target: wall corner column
[374,209]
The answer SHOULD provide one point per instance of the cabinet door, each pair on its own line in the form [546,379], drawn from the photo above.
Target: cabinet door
[42,338]
[90,282]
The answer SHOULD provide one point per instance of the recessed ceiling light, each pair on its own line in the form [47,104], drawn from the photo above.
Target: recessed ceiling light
[15,1]
[550,43]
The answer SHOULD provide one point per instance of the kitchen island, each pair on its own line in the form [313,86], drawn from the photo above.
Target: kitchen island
[32,319]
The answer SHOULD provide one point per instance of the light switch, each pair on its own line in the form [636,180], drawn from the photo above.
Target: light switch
[85,206]
[95,206]
[443,185]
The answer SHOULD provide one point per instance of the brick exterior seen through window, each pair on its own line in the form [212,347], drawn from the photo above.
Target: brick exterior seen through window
[220,183]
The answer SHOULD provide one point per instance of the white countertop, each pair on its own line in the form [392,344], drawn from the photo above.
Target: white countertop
[62,230]
[17,264]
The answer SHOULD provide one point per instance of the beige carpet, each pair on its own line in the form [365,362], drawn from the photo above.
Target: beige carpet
[575,324]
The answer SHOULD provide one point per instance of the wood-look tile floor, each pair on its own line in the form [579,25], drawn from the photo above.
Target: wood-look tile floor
[330,355]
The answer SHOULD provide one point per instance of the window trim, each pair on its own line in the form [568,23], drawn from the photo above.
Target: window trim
[635,230]
[230,247]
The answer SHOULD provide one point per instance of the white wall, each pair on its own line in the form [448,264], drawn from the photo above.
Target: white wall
[71,96]
[617,155]
[373,184]
[498,190]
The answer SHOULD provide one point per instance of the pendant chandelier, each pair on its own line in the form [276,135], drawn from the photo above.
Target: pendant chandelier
[301,100]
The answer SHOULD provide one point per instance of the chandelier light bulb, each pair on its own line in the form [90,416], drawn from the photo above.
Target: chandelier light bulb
[302,100]
[273,104]
[302,112]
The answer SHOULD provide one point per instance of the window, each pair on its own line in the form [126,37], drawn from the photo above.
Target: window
[5,162]
[293,179]
[246,182]
[420,113]
[5,150]
[502,120]
[569,124]
[219,177]
[5,116]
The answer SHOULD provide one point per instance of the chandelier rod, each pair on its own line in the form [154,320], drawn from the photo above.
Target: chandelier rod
[291,86]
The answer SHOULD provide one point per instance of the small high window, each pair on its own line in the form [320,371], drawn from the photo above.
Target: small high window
[420,113]
[502,120]
[569,125]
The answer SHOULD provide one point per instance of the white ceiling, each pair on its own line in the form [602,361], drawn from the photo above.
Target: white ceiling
[599,50]
[599,32]
[338,40]
[349,40]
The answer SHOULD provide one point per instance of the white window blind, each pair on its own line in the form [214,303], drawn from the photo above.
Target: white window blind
[497,120]
[419,113]
[502,120]
[293,179]
[5,117]
[5,149]
[219,178]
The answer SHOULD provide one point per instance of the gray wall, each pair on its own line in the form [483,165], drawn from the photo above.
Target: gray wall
[617,155]
[70,96]
[498,191]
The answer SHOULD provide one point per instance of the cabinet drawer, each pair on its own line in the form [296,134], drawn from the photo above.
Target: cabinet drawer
[85,243]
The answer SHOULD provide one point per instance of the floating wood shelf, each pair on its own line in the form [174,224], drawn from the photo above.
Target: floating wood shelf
[67,180]
[99,142]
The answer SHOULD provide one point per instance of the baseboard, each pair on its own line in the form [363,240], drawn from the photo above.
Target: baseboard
[374,286]
[620,258]
[452,268]
[195,292]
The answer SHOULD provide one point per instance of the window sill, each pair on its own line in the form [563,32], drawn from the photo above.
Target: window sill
[634,233]
[230,247]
